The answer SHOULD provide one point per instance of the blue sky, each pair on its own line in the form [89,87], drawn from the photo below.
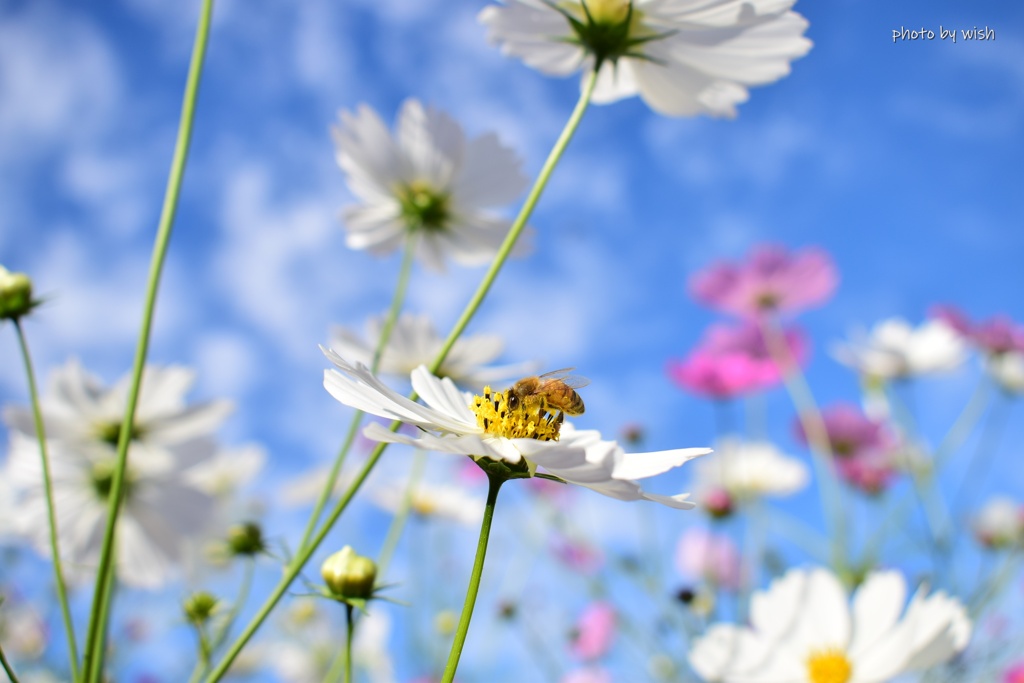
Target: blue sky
[904,160]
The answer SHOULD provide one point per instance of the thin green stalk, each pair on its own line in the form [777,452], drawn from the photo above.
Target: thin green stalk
[520,221]
[207,646]
[51,510]
[96,632]
[401,515]
[303,555]
[349,631]
[397,300]
[817,437]
[493,486]
[953,439]
[7,666]
[982,457]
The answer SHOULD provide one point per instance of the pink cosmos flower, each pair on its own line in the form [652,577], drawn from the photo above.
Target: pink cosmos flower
[772,280]
[998,334]
[579,557]
[588,675]
[870,472]
[851,433]
[733,360]
[1015,674]
[594,632]
[701,554]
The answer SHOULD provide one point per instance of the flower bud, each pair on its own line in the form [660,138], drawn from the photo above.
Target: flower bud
[348,575]
[199,607]
[246,539]
[15,294]
[718,503]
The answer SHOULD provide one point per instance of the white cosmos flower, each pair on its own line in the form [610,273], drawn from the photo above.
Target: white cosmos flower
[895,349]
[445,501]
[164,504]
[415,342]
[803,631]
[79,411]
[427,181]
[682,57]
[450,426]
[1000,523]
[163,508]
[748,470]
[1007,369]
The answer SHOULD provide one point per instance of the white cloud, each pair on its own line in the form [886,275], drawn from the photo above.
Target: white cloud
[59,80]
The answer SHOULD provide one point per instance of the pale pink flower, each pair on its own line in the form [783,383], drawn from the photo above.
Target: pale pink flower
[701,554]
[594,632]
[772,280]
[580,557]
[590,674]
[732,360]
[1015,674]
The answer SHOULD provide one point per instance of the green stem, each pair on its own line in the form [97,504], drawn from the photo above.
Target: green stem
[401,515]
[385,334]
[349,631]
[7,666]
[520,221]
[817,437]
[303,555]
[494,485]
[51,510]
[95,634]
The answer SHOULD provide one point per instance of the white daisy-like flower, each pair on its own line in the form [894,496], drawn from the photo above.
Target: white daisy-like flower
[894,349]
[415,342]
[488,427]
[803,631]
[162,511]
[444,501]
[747,470]
[428,182]
[164,505]
[682,57]
[79,411]
[1000,523]
[1007,369]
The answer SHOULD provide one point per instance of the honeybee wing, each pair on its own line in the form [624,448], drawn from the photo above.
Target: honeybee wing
[562,375]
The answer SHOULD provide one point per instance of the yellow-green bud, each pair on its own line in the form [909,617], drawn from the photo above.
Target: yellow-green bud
[199,607]
[348,575]
[15,294]
[246,539]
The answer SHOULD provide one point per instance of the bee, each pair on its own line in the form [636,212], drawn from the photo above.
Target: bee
[553,391]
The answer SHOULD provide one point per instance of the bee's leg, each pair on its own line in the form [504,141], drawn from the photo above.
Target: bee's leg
[558,419]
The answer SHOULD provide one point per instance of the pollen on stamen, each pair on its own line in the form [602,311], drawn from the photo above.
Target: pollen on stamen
[495,417]
[829,666]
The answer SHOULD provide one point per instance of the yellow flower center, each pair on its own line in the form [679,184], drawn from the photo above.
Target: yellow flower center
[528,420]
[608,11]
[423,505]
[829,666]
[423,207]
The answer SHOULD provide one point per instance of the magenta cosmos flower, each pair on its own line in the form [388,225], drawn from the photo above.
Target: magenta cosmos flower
[772,280]
[1015,674]
[733,360]
[998,334]
[851,433]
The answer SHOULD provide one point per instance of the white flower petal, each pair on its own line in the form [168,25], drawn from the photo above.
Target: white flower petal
[877,605]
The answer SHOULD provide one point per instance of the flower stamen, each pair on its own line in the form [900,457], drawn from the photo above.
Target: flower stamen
[527,420]
[423,207]
[829,666]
